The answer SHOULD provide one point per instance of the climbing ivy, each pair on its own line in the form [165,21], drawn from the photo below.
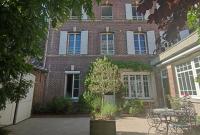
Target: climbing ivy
[134,65]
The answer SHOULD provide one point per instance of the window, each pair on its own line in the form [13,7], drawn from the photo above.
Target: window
[72,85]
[107,43]
[74,43]
[136,15]
[136,85]
[74,14]
[197,66]
[140,43]
[106,12]
[185,79]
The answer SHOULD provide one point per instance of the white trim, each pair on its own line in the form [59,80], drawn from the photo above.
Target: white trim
[137,17]
[193,69]
[107,48]
[195,75]
[65,87]
[145,40]
[106,17]
[141,82]
[72,72]
[180,55]
[74,44]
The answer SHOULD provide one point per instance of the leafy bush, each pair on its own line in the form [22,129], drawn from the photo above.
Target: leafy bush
[103,78]
[108,111]
[175,102]
[87,101]
[60,105]
[133,107]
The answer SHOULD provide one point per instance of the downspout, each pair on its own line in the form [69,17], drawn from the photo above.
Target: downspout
[46,43]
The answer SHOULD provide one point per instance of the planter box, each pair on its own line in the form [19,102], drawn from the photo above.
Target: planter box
[102,127]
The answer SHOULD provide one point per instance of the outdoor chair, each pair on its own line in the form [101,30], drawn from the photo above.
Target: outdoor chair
[184,119]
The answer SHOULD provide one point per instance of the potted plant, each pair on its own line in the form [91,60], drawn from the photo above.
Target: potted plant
[103,78]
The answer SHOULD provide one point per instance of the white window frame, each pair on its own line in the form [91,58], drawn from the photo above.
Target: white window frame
[146,45]
[65,87]
[137,17]
[74,45]
[106,17]
[193,69]
[142,82]
[107,50]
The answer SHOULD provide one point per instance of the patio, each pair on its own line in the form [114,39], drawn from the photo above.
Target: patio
[75,126]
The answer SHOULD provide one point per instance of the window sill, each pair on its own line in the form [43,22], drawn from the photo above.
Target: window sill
[146,99]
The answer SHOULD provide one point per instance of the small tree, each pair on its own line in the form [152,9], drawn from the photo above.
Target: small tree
[103,77]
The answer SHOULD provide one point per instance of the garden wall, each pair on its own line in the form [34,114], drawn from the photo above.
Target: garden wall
[23,110]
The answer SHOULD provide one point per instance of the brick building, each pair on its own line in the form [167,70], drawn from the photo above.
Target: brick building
[118,31]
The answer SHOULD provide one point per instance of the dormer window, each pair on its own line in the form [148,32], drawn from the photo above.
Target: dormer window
[74,15]
[106,12]
[135,14]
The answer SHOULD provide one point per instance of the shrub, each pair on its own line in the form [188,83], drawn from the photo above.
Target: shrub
[60,105]
[175,102]
[87,101]
[103,78]
[108,111]
[133,107]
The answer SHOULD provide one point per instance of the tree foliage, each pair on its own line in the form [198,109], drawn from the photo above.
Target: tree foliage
[103,77]
[172,15]
[23,29]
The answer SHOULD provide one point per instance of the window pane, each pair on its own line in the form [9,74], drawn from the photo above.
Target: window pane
[136,43]
[78,44]
[107,44]
[186,79]
[134,10]
[106,11]
[140,44]
[76,91]
[139,86]
[126,93]
[71,44]
[132,86]
[146,85]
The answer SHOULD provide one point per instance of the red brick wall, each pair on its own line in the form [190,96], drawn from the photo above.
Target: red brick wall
[171,81]
[119,25]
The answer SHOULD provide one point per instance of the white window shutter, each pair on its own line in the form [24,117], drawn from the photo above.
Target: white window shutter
[130,42]
[84,15]
[84,42]
[63,43]
[151,41]
[147,14]
[184,34]
[129,15]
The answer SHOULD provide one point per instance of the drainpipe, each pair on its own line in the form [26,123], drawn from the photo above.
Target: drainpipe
[46,43]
